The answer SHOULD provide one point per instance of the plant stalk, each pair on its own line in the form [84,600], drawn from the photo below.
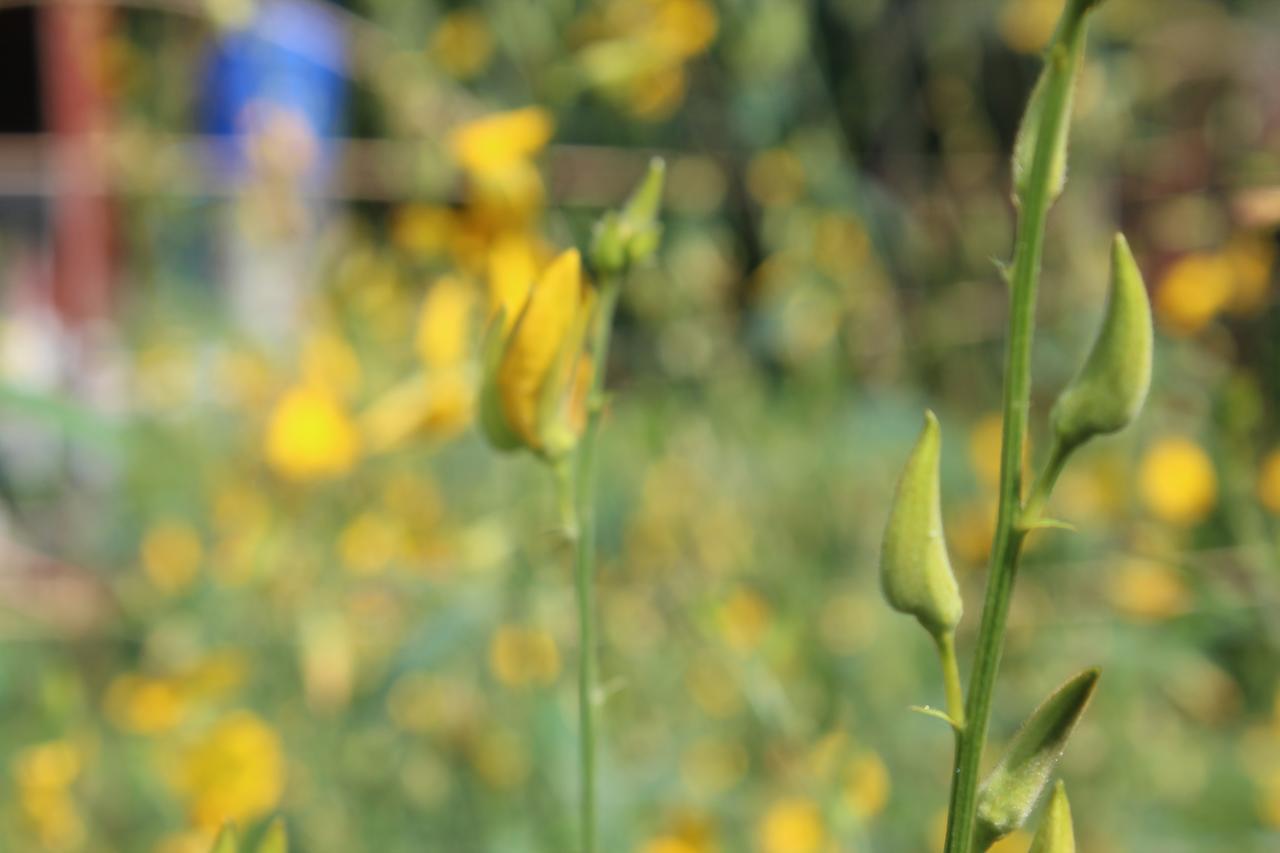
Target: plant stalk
[576,476]
[1010,532]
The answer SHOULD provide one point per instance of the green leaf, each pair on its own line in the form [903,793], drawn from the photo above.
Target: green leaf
[1010,792]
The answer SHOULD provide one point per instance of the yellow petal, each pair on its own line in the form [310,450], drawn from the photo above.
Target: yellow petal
[496,142]
[444,325]
[513,265]
[536,340]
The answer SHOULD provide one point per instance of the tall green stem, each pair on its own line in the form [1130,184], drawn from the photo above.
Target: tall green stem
[576,478]
[1010,533]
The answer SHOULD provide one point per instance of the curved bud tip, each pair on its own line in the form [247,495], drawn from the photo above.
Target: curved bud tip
[915,571]
[1108,392]
[1056,834]
[630,235]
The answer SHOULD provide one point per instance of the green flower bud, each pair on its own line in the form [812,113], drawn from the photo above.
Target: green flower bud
[1055,88]
[630,236]
[1109,390]
[1056,834]
[1010,792]
[915,571]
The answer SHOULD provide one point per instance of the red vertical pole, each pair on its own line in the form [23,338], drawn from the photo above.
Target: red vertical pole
[71,36]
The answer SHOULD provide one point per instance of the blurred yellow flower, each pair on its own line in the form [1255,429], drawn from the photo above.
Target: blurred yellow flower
[513,263]
[498,141]
[792,825]
[435,406]
[370,543]
[44,774]
[422,230]
[1177,481]
[436,704]
[1269,481]
[171,553]
[310,436]
[501,758]
[1252,257]
[668,844]
[743,619]
[538,381]
[1192,292]
[236,772]
[1026,25]
[866,787]
[328,361]
[444,336]
[462,44]
[1147,590]
[775,177]
[522,657]
[1015,842]
[145,704]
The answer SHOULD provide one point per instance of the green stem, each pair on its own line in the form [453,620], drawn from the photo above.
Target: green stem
[951,680]
[578,511]
[1009,535]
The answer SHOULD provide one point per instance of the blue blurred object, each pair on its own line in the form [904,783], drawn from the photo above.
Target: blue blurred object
[291,59]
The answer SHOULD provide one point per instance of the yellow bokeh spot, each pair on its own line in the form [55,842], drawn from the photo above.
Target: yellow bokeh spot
[53,765]
[171,552]
[668,844]
[866,787]
[792,825]
[743,619]
[423,230]
[775,177]
[1177,481]
[1192,292]
[1269,481]
[423,703]
[462,44]
[444,333]
[1026,25]
[370,543]
[501,758]
[497,142]
[310,436]
[328,361]
[145,704]
[1252,257]
[522,657]
[236,772]
[1147,590]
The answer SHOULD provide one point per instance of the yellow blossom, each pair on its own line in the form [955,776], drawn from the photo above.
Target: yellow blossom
[1147,590]
[513,263]
[234,773]
[436,406]
[522,657]
[310,436]
[462,44]
[369,543]
[444,323]
[743,619]
[792,826]
[423,230]
[171,553]
[1177,481]
[497,142]
[536,385]
[1269,481]
[145,704]
[866,788]
[1192,292]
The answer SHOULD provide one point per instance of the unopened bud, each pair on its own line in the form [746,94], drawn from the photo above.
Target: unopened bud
[915,571]
[1109,390]
[1056,834]
[630,236]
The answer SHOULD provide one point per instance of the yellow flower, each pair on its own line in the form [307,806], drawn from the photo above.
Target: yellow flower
[513,265]
[310,436]
[495,143]
[668,844]
[369,543]
[462,44]
[1269,481]
[1147,590]
[1192,292]
[521,657]
[444,323]
[743,619]
[1177,481]
[537,374]
[145,704]
[792,826]
[171,554]
[44,774]
[866,790]
[436,406]
[234,773]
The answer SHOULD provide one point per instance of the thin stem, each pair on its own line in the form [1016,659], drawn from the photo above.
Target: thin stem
[1009,535]
[1032,513]
[582,513]
[951,680]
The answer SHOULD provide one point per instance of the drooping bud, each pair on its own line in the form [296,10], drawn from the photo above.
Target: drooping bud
[1055,834]
[1109,390]
[1049,107]
[1010,792]
[630,236]
[915,571]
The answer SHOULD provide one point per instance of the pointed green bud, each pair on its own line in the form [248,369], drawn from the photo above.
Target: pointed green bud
[227,841]
[1010,792]
[1056,834]
[630,236]
[1049,107]
[1109,390]
[915,571]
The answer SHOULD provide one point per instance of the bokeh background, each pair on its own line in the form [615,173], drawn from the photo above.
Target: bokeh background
[255,560]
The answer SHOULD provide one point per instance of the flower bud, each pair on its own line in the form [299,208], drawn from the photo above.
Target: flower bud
[1109,390]
[630,236]
[1010,792]
[1056,834]
[915,571]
